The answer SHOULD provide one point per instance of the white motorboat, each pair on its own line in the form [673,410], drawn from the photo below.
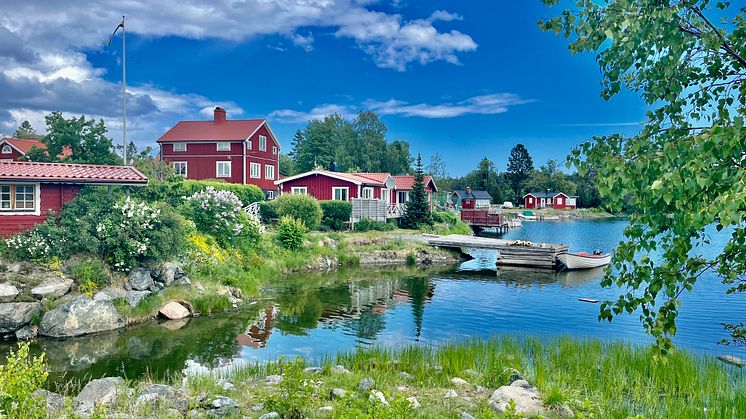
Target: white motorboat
[527,216]
[583,260]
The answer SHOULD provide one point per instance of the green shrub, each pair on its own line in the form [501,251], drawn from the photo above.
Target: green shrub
[291,233]
[301,207]
[175,190]
[268,212]
[90,274]
[295,396]
[20,377]
[445,217]
[366,224]
[335,214]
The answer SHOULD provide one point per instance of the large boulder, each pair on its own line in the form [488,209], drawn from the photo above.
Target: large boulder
[527,399]
[140,279]
[134,297]
[101,391]
[8,292]
[80,316]
[174,311]
[52,288]
[110,293]
[54,402]
[14,316]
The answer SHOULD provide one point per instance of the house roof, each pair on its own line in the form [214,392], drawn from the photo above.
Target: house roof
[71,173]
[477,194]
[378,179]
[545,194]
[233,129]
[24,145]
[406,182]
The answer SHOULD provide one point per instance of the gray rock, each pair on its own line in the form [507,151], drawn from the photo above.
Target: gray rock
[225,384]
[109,293]
[139,279]
[155,393]
[326,409]
[313,370]
[366,384]
[733,360]
[223,406]
[27,332]
[168,273]
[80,316]
[438,368]
[337,393]
[273,379]
[511,374]
[465,415]
[562,411]
[134,297]
[377,395]
[527,399]
[14,316]
[52,288]
[340,369]
[450,394]
[413,402]
[456,381]
[174,311]
[184,281]
[54,401]
[8,292]
[270,415]
[101,391]
[406,376]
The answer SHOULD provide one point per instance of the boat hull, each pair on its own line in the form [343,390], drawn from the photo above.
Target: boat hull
[574,261]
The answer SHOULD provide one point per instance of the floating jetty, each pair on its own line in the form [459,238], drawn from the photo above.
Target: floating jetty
[509,252]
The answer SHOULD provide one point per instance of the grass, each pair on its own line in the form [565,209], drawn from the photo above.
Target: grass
[596,379]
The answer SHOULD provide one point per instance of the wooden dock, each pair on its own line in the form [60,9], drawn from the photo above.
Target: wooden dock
[509,252]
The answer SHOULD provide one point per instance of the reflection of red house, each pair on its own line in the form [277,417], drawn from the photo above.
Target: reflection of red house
[557,200]
[15,148]
[29,190]
[258,333]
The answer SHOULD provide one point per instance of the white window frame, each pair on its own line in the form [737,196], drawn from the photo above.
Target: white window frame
[270,195]
[180,163]
[398,197]
[367,193]
[223,146]
[249,145]
[262,143]
[274,150]
[177,147]
[217,168]
[12,191]
[299,190]
[386,194]
[7,149]
[341,188]
[255,170]
[267,174]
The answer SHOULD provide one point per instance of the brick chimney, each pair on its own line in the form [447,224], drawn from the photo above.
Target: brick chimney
[219,115]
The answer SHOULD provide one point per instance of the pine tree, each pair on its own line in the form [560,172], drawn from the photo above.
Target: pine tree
[520,166]
[418,207]
[25,131]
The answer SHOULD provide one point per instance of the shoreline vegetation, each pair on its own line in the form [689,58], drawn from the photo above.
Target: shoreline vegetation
[552,378]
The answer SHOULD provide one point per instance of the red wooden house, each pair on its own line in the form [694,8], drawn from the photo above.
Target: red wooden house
[29,190]
[556,200]
[326,185]
[237,151]
[15,148]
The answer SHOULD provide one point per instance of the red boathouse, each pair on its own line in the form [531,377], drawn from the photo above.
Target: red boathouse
[29,190]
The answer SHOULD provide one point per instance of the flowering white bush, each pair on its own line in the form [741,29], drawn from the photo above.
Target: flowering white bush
[220,213]
[126,233]
[30,245]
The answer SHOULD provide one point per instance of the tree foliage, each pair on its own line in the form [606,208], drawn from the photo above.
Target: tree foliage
[85,137]
[685,169]
[549,178]
[418,207]
[25,130]
[520,166]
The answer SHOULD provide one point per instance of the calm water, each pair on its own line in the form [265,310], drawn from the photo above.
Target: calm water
[314,315]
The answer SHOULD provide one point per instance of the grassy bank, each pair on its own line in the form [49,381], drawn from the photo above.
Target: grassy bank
[578,213]
[593,378]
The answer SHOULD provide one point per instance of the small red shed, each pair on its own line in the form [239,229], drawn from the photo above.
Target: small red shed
[29,190]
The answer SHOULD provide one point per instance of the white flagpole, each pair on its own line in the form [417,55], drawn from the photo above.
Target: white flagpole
[124,97]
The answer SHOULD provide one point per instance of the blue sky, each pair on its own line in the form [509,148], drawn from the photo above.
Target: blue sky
[463,79]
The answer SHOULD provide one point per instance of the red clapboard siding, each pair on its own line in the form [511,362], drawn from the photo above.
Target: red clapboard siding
[14,155]
[53,197]
[320,187]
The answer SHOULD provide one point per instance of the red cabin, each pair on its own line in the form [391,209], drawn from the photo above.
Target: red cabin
[556,200]
[236,151]
[15,148]
[29,190]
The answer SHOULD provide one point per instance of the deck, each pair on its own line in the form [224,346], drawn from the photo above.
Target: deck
[509,252]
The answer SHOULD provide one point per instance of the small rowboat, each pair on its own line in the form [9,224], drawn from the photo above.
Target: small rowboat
[583,260]
[527,215]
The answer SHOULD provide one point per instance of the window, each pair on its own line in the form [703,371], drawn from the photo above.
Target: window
[270,195]
[224,146]
[7,149]
[530,200]
[367,193]
[255,170]
[21,198]
[180,168]
[299,190]
[262,143]
[341,194]
[249,145]
[24,197]
[223,169]
[402,197]
[5,203]
[274,150]
[179,146]
[269,172]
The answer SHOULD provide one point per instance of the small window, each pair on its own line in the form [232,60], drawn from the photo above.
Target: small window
[274,150]
[270,195]
[5,197]
[341,194]
[223,169]
[262,143]
[7,149]
[299,190]
[403,197]
[255,170]
[179,146]
[180,168]
[24,198]
[367,193]
[269,172]
[249,145]
[224,146]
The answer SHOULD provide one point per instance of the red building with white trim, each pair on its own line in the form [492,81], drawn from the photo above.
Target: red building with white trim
[556,200]
[29,190]
[15,148]
[236,151]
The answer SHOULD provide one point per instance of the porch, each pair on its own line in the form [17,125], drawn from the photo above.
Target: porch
[376,209]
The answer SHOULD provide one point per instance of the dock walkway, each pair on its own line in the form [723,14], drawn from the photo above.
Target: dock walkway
[509,252]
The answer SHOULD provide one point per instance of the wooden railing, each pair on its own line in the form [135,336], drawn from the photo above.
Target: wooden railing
[395,210]
[252,209]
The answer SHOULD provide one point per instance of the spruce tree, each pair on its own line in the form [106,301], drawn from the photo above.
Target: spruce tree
[418,212]
[25,131]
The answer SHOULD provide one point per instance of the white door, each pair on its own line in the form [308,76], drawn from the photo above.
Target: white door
[386,196]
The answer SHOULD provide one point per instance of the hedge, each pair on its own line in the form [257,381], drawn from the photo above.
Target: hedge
[336,214]
[174,192]
[301,207]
